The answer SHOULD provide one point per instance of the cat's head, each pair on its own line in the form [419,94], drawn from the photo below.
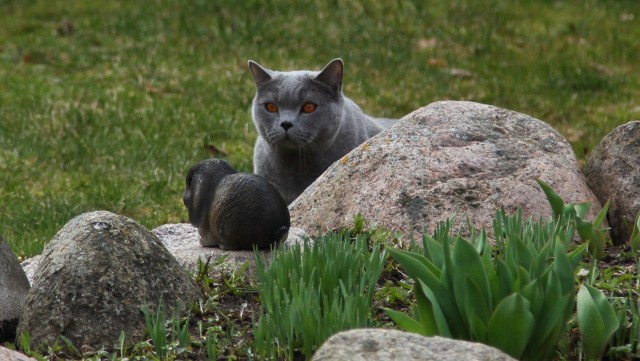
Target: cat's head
[297,109]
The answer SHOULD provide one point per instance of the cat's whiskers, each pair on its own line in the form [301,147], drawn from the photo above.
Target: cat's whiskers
[301,158]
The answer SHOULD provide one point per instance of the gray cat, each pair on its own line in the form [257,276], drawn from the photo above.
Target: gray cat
[304,124]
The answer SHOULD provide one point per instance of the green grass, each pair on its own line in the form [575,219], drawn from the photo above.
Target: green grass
[112,115]
[310,292]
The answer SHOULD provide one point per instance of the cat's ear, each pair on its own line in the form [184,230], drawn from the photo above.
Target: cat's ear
[331,75]
[260,75]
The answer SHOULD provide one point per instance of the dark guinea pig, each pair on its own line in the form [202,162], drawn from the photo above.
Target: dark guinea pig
[234,210]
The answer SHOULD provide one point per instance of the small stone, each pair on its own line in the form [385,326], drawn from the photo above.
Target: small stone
[297,236]
[389,345]
[183,241]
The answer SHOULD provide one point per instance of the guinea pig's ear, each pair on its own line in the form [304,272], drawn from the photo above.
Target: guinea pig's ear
[197,197]
[186,196]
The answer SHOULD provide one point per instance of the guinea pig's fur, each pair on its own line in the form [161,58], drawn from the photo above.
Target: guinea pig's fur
[234,210]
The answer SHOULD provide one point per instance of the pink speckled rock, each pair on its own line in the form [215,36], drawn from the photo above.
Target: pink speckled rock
[613,173]
[447,158]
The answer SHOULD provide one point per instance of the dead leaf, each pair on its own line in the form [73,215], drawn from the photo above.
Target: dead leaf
[215,151]
[627,17]
[602,69]
[429,43]
[437,63]
[152,89]
[573,134]
[65,28]
[461,73]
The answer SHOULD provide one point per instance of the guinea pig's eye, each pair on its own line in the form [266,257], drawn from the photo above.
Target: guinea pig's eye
[271,108]
[309,108]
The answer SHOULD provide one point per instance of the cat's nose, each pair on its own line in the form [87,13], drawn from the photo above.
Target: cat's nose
[286,125]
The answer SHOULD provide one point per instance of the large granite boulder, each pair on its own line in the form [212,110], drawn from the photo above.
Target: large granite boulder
[447,158]
[30,265]
[389,345]
[95,276]
[13,290]
[613,173]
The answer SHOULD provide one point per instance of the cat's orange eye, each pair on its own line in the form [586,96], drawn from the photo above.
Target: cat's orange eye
[309,108]
[271,108]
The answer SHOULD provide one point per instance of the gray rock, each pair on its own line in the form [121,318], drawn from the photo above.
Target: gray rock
[386,345]
[93,279]
[29,266]
[183,241]
[295,237]
[613,173]
[447,158]
[10,355]
[13,290]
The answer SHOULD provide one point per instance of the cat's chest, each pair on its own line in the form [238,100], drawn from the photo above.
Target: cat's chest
[302,165]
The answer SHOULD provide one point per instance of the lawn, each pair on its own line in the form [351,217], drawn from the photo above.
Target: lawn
[105,105]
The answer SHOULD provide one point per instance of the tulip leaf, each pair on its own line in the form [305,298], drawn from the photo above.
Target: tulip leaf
[522,255]
[597,321]
[433,250]
[426,262]
[602,215]
[577,254]
[481,242]
[522,280]
[584,229]
[405,322]
[635,235]
[569,211]
[438,314]
[533,292]
[470,275]
[564,271]
[556,203]
[478,328]
[551,319]
[476,303]
[415,265]
[581,209]
[505,277]
[511,325]
[424,308]
[595,237]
